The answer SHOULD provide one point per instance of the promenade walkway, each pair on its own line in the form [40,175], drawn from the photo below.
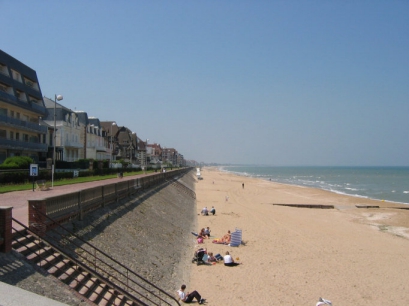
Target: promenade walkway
[19,199]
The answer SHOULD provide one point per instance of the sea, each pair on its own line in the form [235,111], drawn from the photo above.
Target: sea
[390,184]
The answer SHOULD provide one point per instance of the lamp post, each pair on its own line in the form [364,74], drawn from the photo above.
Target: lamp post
[56,98]
[110,164]
[131,147]
[146,156]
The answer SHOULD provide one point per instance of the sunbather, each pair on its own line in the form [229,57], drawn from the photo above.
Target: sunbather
[224,240]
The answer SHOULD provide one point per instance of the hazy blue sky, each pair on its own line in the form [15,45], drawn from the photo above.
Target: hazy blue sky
[255,82]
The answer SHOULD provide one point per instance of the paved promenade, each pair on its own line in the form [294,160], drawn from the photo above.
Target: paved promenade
[19,199]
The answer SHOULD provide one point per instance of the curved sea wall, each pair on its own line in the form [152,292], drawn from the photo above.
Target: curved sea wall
[149,233]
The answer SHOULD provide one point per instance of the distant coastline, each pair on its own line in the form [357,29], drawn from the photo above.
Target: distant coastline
[389,184]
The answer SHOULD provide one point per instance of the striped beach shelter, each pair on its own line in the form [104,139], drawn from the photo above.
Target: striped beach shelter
[236,237]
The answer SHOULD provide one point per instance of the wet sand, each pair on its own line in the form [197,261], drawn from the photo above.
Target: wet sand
[293,256]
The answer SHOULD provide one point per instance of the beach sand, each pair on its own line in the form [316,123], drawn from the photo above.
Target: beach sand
[293,256]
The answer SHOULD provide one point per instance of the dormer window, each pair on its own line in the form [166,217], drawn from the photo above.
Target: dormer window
[21,95]
[7,89]
[31,83]
[4,70]
[34,100]
[16,76]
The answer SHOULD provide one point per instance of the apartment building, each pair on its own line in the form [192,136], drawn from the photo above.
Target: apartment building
[169,155]
[21,107]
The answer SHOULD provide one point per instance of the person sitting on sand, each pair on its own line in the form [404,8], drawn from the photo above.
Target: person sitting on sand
[204,211]
[213,211]
[203,234]
[188,297]
[207,232]
[229,261]
[211,257]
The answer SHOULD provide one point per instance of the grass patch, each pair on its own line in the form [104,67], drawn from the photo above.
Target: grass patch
[77,180]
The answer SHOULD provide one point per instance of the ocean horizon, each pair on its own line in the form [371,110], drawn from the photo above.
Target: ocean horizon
[389,184]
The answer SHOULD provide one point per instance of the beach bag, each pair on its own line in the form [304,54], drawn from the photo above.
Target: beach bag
[218,257]
[199,240]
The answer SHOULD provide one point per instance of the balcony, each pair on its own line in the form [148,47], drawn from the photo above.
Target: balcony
[22,145]
[22,125]
[101,148]
[72,144]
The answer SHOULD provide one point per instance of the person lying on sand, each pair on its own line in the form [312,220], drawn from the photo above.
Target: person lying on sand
[224,240]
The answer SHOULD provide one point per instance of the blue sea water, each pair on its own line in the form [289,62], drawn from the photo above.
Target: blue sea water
[382,183]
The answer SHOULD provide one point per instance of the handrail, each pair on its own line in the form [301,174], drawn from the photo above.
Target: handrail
[79,263]
[106,264]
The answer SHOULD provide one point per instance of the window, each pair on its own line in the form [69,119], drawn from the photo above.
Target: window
[21,95]
[34,100]
[11,135]
[3,134]
[17,136]
[3,111]
[7,89]
[30,83]
[25,137]
[18,115]
[16,75]
[4,70]
[12,114]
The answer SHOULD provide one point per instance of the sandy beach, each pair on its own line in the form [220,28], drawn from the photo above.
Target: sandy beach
[293,256]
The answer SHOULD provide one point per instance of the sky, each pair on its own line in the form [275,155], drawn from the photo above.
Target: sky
[281,83]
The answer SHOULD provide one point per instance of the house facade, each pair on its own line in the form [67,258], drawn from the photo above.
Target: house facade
[154,153]
[96,141]
[69,133]
[21,107]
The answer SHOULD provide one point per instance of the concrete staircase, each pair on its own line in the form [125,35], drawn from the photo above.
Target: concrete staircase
[91,286]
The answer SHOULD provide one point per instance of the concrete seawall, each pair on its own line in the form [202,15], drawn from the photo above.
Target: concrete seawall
[149,233]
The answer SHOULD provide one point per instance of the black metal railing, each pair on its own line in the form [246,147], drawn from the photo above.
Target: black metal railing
[99,263]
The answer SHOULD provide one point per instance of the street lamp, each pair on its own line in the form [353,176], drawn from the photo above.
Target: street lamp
[146,156]
[131,147]
[110,164]
[56,98]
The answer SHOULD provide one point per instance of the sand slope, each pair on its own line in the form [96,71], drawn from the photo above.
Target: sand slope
[292,256]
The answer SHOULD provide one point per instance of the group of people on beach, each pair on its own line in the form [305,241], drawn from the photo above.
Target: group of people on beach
[205,211]
[210,259]
[203,234]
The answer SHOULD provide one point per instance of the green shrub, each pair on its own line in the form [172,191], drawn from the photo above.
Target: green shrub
[17,162]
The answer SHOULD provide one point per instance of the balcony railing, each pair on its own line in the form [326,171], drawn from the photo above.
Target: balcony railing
[27,105]
[102,149]
[22,145]
[72,144]
[22,125]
